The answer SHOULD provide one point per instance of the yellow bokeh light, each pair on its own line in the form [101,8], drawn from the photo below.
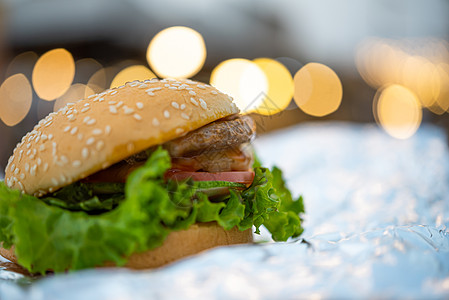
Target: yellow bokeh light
[132,73]
[75,93]
[318,90]
[412,63]
[15,99]
[22,63]
[443,95]
[177,52]
[53,74]
[419,75]
[280,87]
[397,110]
[243,80]
[101,79]
[85,68]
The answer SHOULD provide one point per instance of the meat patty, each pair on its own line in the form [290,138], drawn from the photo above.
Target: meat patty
[215,147]
[232,159]
[221,134]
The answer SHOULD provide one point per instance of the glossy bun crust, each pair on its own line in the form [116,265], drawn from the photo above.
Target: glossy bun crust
[90,135]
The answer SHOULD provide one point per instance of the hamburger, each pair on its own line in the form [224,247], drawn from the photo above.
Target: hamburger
[139,176]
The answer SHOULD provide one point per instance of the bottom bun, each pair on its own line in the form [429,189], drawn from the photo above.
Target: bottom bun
[179,244]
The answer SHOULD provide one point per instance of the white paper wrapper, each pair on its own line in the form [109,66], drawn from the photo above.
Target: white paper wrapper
[377,212]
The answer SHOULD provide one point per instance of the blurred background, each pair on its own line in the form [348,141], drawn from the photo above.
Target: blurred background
[285,62]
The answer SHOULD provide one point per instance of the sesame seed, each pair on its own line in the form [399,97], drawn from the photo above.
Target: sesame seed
[112,102]
[113,109]
[192,93]
[50,136]
[166,114]
[203,104]
[101,100]
[16,171]
[76,163]
[71,117]
[91,122]
[172,88]
[28,146]
[63,178]
[39,161]
[201,86]
[119,104]
[54,181]
[155,122]
[100,145]
[37,139]
[21,185]
[67,129]
[97,131]
[28,153]
[45,167]
[143,85]
[150,93]
[113,93]
[107,130]
[182,106]
[139,105]
[22,176]
[184,116]
[214,92]
[85,153]
[90,141]
[137,117]
[64,159]
[42,147]
[175,104]
[91,96]
[194,101]
[179,130]
[48,123]
[86,119]
[85,109]
[33,170]
[175,84]
[80,136]
[105,165]
[20,155]
[74,130]
[153,89]
[44,137]
[128,110]
[13,166]
[166,85]
[189,88]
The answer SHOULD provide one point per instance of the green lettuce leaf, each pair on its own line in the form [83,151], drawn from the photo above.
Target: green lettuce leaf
[49,236]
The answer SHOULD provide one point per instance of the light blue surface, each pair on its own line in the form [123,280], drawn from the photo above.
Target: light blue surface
[376,226]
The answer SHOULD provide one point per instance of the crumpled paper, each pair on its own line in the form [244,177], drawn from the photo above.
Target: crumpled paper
[377,213]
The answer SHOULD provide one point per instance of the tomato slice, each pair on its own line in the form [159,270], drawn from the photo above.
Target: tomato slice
[245,177]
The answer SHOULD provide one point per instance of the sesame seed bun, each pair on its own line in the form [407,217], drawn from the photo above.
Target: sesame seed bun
[90,135]
[179,244]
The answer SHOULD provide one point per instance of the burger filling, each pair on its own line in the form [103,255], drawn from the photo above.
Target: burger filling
[219,151]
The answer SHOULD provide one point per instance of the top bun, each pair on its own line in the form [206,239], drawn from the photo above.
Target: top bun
[85,137]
